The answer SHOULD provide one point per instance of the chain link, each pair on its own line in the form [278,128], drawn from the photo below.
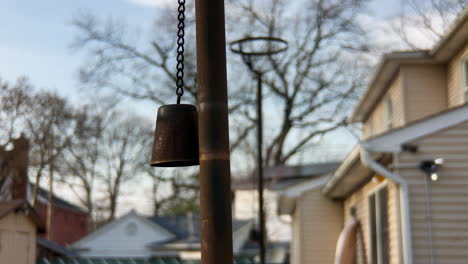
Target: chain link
[180,50]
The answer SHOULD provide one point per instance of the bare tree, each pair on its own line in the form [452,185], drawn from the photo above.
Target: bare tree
[104,156]
[81,159]
[122,150]
[313,85]
[94,149]
[14,108]
[50,127]
[161,180]
[310,88]
[44,117]
[119,62]
[171,192]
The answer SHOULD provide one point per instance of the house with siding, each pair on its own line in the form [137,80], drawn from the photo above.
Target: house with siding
[406,183]
[245,195]
[69,222]
[137,236]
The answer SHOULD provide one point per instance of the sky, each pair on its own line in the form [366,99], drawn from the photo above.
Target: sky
[36,38]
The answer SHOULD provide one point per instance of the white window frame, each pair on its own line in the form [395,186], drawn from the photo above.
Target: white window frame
[370,128]
[464,77]
[389,110]
[378,222]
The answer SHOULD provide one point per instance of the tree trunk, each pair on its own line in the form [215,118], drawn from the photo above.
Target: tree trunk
[50,209]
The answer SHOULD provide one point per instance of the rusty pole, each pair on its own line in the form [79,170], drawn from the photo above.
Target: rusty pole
[215,179]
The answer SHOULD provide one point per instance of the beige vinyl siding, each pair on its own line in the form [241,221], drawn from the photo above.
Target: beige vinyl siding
[378,119]
[296,238]
[359,199]
[425,90]
[449,196]
[456,93]
[418,91]
[319,223]
[17,239]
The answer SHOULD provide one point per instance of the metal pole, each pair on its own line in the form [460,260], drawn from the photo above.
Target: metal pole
[215,180]
[261,212]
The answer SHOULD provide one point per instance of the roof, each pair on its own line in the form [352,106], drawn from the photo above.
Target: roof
[308,170]
[59,202]
[82,244]
[384,73]
[281,177]
[6,207]
[181,232]
[56,248]
[348,176]
[393,140]
[454,39]
[187,230]
[287,198]
[352,173]
[152,260]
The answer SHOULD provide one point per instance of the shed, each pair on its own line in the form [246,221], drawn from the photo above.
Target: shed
[19,224]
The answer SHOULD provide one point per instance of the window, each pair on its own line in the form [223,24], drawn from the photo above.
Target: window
[464,78]
[378,226]
[370,128]
[131,229]
[465,73]
[389,106]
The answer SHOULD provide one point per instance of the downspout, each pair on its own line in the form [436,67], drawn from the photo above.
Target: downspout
[404,201]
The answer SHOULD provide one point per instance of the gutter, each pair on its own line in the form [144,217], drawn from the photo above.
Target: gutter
[454,27]
[404,201]
[293,192]
[348,162]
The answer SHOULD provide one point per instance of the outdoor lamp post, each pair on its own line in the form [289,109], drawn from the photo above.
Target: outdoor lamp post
[430,167]
[251,49]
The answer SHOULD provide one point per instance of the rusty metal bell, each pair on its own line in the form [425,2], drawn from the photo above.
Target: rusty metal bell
[176,136]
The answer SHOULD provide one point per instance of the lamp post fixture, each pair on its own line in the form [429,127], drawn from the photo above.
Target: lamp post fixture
[249,51]
[430,167]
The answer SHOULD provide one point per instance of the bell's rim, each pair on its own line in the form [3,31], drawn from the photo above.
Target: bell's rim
[175,163]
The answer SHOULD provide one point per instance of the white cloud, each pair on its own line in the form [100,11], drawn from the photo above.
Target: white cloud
[155,3]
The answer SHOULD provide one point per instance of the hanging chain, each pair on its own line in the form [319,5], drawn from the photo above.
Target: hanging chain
[180,50]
